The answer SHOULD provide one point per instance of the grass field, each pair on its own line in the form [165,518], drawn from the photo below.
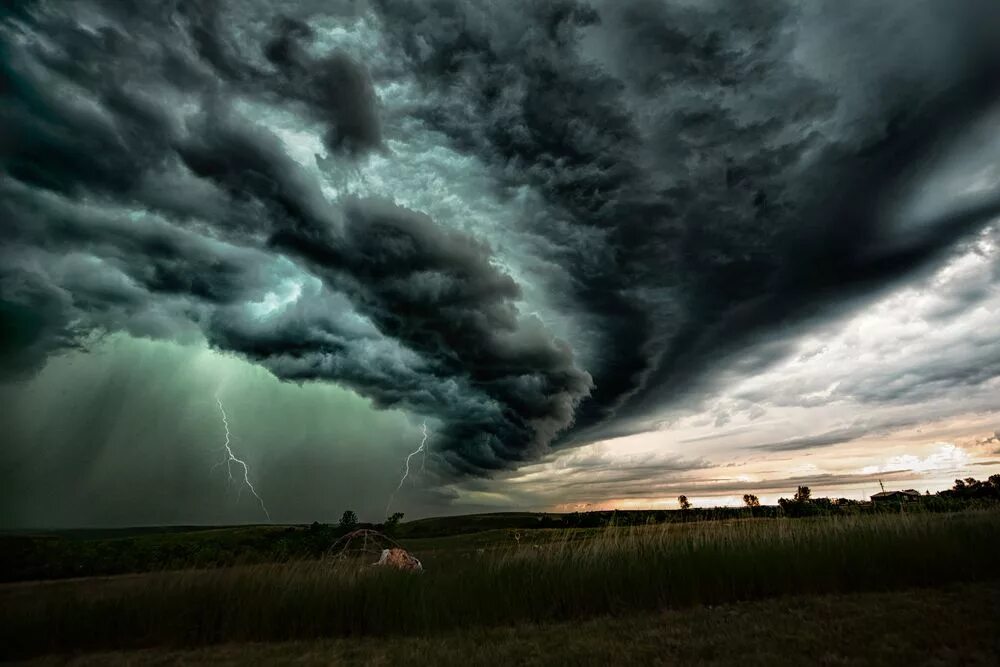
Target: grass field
[551,576]
[957,624]
[59,554]
[32,555]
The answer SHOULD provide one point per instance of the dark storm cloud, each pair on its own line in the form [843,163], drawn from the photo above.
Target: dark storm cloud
[204,25]
[336,88]
[157,255]
[35,323]
[502,386]
[704,156]
[701,189]
[435,291]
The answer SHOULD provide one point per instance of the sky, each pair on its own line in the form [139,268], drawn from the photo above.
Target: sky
[605,253]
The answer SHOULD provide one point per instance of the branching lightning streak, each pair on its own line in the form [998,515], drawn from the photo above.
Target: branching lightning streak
[406,471]
[232,458]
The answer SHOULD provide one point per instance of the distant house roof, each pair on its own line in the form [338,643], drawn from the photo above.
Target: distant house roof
[892,495]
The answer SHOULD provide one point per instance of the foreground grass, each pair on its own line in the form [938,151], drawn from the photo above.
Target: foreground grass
[958,624]
[563,576]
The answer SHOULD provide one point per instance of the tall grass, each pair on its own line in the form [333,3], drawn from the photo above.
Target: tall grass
[562,576]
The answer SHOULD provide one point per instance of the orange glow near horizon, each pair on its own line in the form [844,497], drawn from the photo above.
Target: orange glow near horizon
[928,457]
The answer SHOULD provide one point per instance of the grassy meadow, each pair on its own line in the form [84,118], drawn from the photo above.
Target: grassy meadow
[488,580]
[957,624]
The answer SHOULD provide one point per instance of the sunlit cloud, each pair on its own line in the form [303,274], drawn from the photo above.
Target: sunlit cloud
[947,457]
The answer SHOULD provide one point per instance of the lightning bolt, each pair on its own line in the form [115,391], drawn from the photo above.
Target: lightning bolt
[422,449]
[406,471]
[231,458]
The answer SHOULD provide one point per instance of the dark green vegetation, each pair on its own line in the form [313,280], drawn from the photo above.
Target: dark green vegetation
[84,553]
[57,555]
[546,576]
[954,625]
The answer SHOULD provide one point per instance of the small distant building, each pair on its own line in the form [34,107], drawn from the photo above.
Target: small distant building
[910,495]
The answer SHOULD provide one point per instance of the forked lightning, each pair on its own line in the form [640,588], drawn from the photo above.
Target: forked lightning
[406,471]
[232,458]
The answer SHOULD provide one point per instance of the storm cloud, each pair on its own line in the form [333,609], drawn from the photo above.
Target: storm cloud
[656,189]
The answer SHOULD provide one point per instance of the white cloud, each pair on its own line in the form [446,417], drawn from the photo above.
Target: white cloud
[945,457]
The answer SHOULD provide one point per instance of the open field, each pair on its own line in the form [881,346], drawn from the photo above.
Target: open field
[58,554]
[31,555]
[551,576]
[956,624]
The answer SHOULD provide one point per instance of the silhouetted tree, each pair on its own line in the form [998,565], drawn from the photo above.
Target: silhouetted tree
[682,500]
[970,489]
[802,504]
[393,520]
[348,520]
[750,500]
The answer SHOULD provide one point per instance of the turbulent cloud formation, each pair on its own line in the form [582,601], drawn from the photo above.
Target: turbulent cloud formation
[624,194]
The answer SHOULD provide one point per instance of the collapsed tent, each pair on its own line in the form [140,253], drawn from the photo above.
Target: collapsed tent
[366,543]
[400,559]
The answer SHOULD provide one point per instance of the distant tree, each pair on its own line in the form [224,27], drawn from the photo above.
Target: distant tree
[393,520]
[682,500]
[750,500]
[348,520]
[796,508]
[802,494]
[972,489]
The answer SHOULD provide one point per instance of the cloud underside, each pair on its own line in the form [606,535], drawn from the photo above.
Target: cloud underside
[689,183]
